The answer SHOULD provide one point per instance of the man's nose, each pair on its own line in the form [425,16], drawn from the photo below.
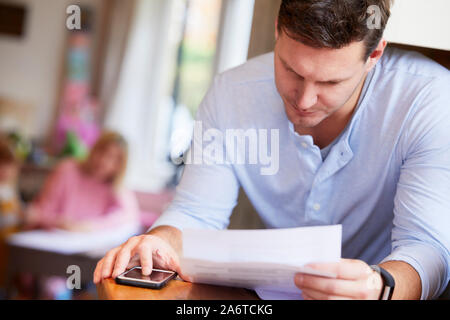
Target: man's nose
[307,97]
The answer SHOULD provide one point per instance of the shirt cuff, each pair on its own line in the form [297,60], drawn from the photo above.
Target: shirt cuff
[429,264]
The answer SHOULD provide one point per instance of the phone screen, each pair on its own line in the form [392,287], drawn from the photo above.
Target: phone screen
[155,276]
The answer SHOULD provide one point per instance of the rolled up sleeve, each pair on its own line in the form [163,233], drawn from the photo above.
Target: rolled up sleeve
[420,236]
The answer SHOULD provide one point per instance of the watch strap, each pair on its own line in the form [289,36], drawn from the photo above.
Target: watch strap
[388,282]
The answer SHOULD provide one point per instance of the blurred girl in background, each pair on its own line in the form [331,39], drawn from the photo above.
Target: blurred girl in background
[84,196]
[87,196]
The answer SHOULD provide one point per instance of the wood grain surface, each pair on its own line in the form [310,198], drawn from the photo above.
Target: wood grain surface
[174,290]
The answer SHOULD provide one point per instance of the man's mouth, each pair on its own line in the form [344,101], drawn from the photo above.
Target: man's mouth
[305,114]
[302,113]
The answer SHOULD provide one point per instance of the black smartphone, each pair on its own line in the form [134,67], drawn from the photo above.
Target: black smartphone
[156,280]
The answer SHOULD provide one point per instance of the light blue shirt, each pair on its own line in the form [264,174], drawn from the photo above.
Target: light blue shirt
[386,179]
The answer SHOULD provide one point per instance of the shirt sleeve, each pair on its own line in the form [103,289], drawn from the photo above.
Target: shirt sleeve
[420,235]
[208,189]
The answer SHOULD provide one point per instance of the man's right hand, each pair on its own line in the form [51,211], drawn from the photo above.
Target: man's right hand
[147,250]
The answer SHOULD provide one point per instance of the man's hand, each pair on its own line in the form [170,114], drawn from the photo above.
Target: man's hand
[355,280]
[148,251]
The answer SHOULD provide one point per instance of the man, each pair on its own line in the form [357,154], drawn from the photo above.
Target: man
[364,142]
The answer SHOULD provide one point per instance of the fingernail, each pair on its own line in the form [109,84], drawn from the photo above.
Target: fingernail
[299,278]
[146,271]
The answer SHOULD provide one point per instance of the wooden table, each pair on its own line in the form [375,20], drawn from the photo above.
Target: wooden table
[174,290]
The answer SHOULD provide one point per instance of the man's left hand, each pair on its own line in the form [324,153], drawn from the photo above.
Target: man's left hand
[354,280]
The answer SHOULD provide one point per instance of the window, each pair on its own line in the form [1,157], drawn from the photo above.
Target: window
[197,49]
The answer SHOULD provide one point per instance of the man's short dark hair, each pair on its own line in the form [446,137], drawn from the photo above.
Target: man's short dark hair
[333,23]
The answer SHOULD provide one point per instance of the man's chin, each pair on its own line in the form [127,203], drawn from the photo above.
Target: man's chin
[305,123]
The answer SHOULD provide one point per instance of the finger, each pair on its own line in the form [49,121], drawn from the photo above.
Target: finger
[174,264]
[177,269]
[317,295]
[145,257]
[97,272]
[108,262]
[164,256]
[349,269]
[328,286]
[123,257]
[169,260]
[134,262]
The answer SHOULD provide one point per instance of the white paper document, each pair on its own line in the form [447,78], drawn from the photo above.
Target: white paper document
[263,260]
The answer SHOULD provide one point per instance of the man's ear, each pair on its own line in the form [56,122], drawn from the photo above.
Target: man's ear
[376,54]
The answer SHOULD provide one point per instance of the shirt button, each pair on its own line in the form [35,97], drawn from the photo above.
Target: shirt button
[304,145]
[316,207]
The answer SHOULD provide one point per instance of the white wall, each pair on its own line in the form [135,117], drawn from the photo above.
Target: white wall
[30,67]
[420,23]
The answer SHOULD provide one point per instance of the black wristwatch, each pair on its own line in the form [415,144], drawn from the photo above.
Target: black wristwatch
[388,283]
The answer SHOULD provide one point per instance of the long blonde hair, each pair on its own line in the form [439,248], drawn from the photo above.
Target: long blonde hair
[106,139]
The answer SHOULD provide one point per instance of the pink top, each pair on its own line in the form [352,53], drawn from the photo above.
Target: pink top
[72,195]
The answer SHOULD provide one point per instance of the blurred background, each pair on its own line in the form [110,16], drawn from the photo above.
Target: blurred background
[139,68]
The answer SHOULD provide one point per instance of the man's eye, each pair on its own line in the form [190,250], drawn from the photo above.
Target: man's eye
[295,74]
[291,71]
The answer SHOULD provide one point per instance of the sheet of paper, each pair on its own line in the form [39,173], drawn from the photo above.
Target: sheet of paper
[267,294]
[66,242]
[264,260]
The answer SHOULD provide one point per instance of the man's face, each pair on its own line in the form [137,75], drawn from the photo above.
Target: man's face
[316,84]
